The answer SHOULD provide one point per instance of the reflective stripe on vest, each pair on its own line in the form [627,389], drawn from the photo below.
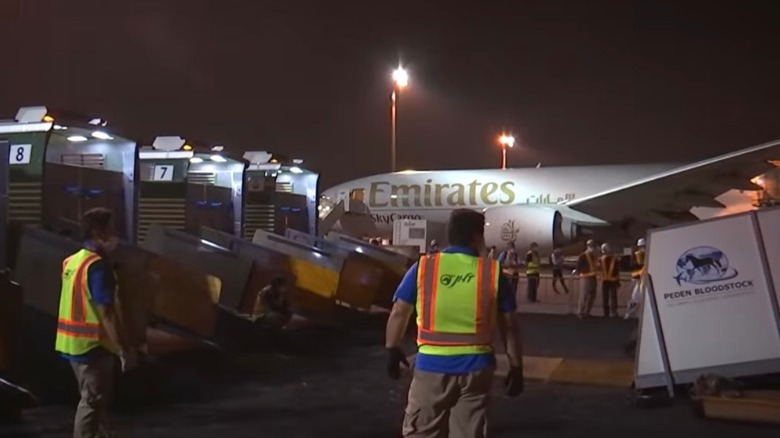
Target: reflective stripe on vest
[639,261]
[455,301]
[533,266]
[608,268]
[591,258]
[78,325]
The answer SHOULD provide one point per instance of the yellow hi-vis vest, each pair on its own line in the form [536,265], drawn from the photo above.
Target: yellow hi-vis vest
[532,267]
[78,326]
[590,257]
[639,261]
[608,268]
[456,304]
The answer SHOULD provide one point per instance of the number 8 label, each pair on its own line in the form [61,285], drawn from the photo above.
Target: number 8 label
[19,154]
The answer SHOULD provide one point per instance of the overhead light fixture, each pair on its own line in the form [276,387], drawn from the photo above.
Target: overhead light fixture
[102,135]
[196,160]
[297,161]
[218,148]
[98,122]
[77,138]
[168,143]
[296,169]
[218,158]
[60,127]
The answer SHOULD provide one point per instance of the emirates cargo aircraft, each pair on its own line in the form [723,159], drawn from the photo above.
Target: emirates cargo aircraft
[560,205]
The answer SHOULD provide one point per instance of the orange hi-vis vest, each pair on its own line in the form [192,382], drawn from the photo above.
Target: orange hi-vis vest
[639,263]
[78,325]
[591,258]
[456,304]
[609,268]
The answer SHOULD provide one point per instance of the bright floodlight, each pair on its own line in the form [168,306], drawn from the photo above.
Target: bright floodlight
[77,138]
[506,140]
[218,158]
[400,77]
[196,160]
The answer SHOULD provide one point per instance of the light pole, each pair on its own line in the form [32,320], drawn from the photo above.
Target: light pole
[506,141]
[400,81]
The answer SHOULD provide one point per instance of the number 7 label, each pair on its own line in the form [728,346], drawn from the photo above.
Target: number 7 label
[163,172]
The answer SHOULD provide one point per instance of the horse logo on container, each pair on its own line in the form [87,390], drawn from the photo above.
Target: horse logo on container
[702,265]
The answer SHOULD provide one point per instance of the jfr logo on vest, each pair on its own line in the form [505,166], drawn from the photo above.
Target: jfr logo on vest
[450,280]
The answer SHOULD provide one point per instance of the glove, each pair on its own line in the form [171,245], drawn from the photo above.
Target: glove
[395,357]
[128,359]
[514,382]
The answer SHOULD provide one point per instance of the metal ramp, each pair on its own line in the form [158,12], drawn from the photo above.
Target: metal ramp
[152,289]
[350,278]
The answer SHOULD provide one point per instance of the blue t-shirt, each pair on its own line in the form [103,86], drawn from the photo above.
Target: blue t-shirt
[464,363]
[101,287]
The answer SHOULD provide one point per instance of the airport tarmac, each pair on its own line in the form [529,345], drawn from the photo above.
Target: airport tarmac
[331,383]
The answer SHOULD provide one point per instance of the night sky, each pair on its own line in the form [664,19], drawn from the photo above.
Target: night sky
[578,82]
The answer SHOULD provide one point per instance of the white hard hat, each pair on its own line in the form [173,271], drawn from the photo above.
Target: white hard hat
[590,243]
[640,242]
[434,242]
[605,247]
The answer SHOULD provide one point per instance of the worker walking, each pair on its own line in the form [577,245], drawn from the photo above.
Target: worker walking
[610,280]
[89,331]
[457,295]
[510,265]
[556,261]
[532,272]
[586,269]
[638,270]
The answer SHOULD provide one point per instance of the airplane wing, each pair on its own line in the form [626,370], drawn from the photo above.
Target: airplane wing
[667,197]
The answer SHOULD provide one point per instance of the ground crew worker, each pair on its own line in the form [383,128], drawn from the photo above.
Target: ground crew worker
[586,268]
[457,295]
[89,331]
[637,274]
[272,305]
[610,280]
[638,269]
[510,265]
[532,263]
[556,261]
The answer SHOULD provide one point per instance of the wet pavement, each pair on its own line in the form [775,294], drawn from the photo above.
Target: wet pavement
[331,383]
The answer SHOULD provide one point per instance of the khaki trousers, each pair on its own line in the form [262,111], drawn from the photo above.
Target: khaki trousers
[95,379]
[448,405]
[587,295]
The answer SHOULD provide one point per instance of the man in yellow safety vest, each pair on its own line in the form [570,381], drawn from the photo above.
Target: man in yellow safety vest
[638,270]
[89,331]
[610,280]
[532,263]
[586,268]
[458,295]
